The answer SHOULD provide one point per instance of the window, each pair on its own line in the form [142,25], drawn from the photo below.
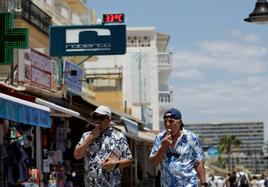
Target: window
[138,41]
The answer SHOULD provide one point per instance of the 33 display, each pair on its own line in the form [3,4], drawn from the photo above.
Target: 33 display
[113,18]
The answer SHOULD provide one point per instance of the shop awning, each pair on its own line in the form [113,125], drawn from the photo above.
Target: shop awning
[131,126]
[59,111]
[147,136]
[122,129]
[142,136]
[115,112]
[23,111]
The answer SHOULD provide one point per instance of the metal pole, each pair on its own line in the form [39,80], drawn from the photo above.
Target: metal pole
[38,147]
[60,70]
[255,159]
[139,58]
[84,60]
[125,106]
[11,75]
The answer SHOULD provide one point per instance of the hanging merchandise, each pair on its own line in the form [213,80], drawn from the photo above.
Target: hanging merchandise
[15,135]
[3,158]
[17,164]
[34,178]
[19,159]
[52,179]
[13,132]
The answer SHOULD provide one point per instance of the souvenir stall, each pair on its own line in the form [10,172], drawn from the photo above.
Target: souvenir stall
[56,143]
[21,165]
[57,153]
[20,122]
[40,130]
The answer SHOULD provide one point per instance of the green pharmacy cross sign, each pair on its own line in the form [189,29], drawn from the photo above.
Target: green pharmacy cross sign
[10,38]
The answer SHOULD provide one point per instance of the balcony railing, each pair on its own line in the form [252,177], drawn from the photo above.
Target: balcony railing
[31,13]
[164,58]
[35,16]
[165,98]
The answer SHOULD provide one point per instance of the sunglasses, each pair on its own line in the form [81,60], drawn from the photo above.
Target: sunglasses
[170,120]
[171,154]
[99,118]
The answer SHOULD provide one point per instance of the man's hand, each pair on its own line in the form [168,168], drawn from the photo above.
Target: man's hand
[167,141]
[95,132]
[108,164]
[81,149]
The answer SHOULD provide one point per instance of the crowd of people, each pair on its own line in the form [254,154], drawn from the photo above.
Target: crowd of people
[238,179]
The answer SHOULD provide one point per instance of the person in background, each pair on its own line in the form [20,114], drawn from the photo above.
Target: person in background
[243,179]
[266,181]
[233,180]
[179,153]
[213,181]
[261,181]
[226,182]
[105,150]
[254,182]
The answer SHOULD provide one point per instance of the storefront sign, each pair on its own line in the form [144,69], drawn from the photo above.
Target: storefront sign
[131,126]
[87,40]
[73,82]
[10,38]
[37,68]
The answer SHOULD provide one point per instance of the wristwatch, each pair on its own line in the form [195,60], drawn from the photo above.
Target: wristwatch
[116,165]
[204,184]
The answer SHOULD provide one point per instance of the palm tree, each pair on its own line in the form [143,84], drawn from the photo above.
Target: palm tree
[227,142]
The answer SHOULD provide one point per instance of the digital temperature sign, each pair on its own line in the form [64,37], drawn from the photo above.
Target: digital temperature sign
[113,18]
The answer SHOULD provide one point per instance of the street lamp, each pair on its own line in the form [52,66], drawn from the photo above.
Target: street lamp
[139,58]
[259,14]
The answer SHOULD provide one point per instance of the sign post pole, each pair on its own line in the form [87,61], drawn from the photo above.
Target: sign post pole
[60,72]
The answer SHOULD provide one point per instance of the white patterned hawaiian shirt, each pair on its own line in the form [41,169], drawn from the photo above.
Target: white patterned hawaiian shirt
[178,163]
[98,151]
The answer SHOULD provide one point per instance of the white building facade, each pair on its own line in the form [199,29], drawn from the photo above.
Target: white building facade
[250,154]
[146,67]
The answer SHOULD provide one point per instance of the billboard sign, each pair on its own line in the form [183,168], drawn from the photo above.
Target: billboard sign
[87,40]
[37,69]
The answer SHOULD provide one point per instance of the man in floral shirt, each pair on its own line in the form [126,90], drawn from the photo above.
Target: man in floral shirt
[105,151]
[179,153]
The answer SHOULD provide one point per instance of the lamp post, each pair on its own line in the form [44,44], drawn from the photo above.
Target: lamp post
[139,58]
[259,14]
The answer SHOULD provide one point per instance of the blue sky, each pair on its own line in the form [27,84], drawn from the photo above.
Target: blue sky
[220,61]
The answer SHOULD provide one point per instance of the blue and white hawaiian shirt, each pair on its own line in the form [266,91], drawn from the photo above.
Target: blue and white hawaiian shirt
[178,164]
[98,151]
